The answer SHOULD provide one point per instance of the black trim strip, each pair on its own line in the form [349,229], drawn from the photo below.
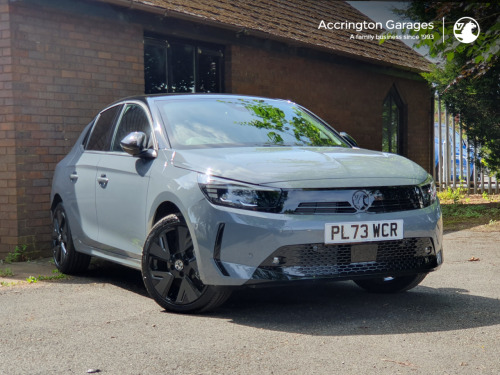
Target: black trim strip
[217,247]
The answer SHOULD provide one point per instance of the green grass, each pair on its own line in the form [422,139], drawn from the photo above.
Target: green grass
[457,216]
[453,195]
[31,279]
[57,276]
[18,255]
[6,272]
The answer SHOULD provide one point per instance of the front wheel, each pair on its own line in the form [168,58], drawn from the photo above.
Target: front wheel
[391,284]
[170,270]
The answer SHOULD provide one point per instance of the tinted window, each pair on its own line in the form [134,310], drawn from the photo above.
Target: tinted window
[101,133]
[155,67]
[182,66]
[134,119]
[209,70]
[243,122]
[390,125]
[393,127]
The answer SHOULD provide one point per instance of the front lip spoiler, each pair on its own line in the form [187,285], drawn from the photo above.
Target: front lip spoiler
[279,279]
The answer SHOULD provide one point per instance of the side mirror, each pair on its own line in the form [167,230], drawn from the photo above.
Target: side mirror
[135,144]
[350,140]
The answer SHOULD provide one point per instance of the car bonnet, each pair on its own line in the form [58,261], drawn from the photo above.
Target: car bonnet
[303,167]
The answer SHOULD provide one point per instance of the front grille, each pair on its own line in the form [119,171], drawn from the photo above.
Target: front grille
[384,200]
[344,261]
[325,208]
[397,199]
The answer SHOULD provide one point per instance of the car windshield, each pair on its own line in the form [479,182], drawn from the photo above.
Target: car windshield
[230,122]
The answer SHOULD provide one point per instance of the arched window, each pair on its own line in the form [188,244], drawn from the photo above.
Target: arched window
[393,123]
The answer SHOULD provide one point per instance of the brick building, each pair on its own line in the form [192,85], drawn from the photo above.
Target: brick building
[62,61]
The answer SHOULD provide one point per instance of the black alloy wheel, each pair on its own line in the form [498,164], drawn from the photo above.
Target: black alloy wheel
[170,270]
[66,258]
[391,284]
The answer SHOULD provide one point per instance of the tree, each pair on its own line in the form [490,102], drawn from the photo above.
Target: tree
[468,79]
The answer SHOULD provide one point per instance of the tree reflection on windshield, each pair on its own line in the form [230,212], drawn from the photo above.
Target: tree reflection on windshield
[298,127]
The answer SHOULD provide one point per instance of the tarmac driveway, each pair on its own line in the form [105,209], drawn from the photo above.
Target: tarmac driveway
[105,322]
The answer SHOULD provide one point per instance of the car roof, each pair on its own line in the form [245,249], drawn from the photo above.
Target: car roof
[147,97]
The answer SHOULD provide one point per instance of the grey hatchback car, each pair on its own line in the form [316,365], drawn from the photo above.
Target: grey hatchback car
[207,192]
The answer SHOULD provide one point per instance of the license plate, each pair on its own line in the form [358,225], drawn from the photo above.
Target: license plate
[363,231]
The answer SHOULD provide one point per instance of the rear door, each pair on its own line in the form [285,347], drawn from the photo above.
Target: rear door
[123,185]
[83,177]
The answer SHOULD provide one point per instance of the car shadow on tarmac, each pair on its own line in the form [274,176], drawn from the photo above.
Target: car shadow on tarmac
[341,308]
[102,271]
[331,308]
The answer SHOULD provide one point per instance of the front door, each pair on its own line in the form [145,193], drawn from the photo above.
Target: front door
[122,188]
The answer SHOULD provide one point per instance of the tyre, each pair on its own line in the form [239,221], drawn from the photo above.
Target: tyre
[391,284]
[66,258]
[170,270]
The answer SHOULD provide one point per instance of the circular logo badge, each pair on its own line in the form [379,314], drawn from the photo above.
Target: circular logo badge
[361,200]
[466,30]
[179,265]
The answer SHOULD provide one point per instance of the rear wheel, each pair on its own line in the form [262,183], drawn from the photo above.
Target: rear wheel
[66,258]
[170,270]
[391,284]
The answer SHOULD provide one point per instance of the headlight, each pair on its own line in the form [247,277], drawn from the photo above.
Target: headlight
[229,193]
[429,193]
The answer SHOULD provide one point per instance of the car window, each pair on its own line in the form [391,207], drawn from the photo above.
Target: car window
[134,119]
[101,133]
[244,122]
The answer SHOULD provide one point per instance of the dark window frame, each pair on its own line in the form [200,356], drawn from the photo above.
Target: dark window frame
[200,49]
[87,134]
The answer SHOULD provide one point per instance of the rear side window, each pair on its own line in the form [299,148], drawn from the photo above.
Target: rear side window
[101,133]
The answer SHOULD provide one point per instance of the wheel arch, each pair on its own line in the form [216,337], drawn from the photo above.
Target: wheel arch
[55,201]
[164,209]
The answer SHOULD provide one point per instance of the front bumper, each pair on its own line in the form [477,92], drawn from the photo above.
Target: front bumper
[236,247]
[319,261]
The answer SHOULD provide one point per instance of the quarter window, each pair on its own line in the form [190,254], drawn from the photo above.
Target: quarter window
[393,117]
[181,66]
[101,133]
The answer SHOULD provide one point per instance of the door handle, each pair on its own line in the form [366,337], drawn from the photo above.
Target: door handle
[102,181]
[73,177]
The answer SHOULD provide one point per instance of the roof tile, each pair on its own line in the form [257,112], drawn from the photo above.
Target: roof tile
[297,21]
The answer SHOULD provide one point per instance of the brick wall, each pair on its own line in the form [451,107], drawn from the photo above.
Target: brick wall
[8,193]
[349,97]
[420,129]
[61,68]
